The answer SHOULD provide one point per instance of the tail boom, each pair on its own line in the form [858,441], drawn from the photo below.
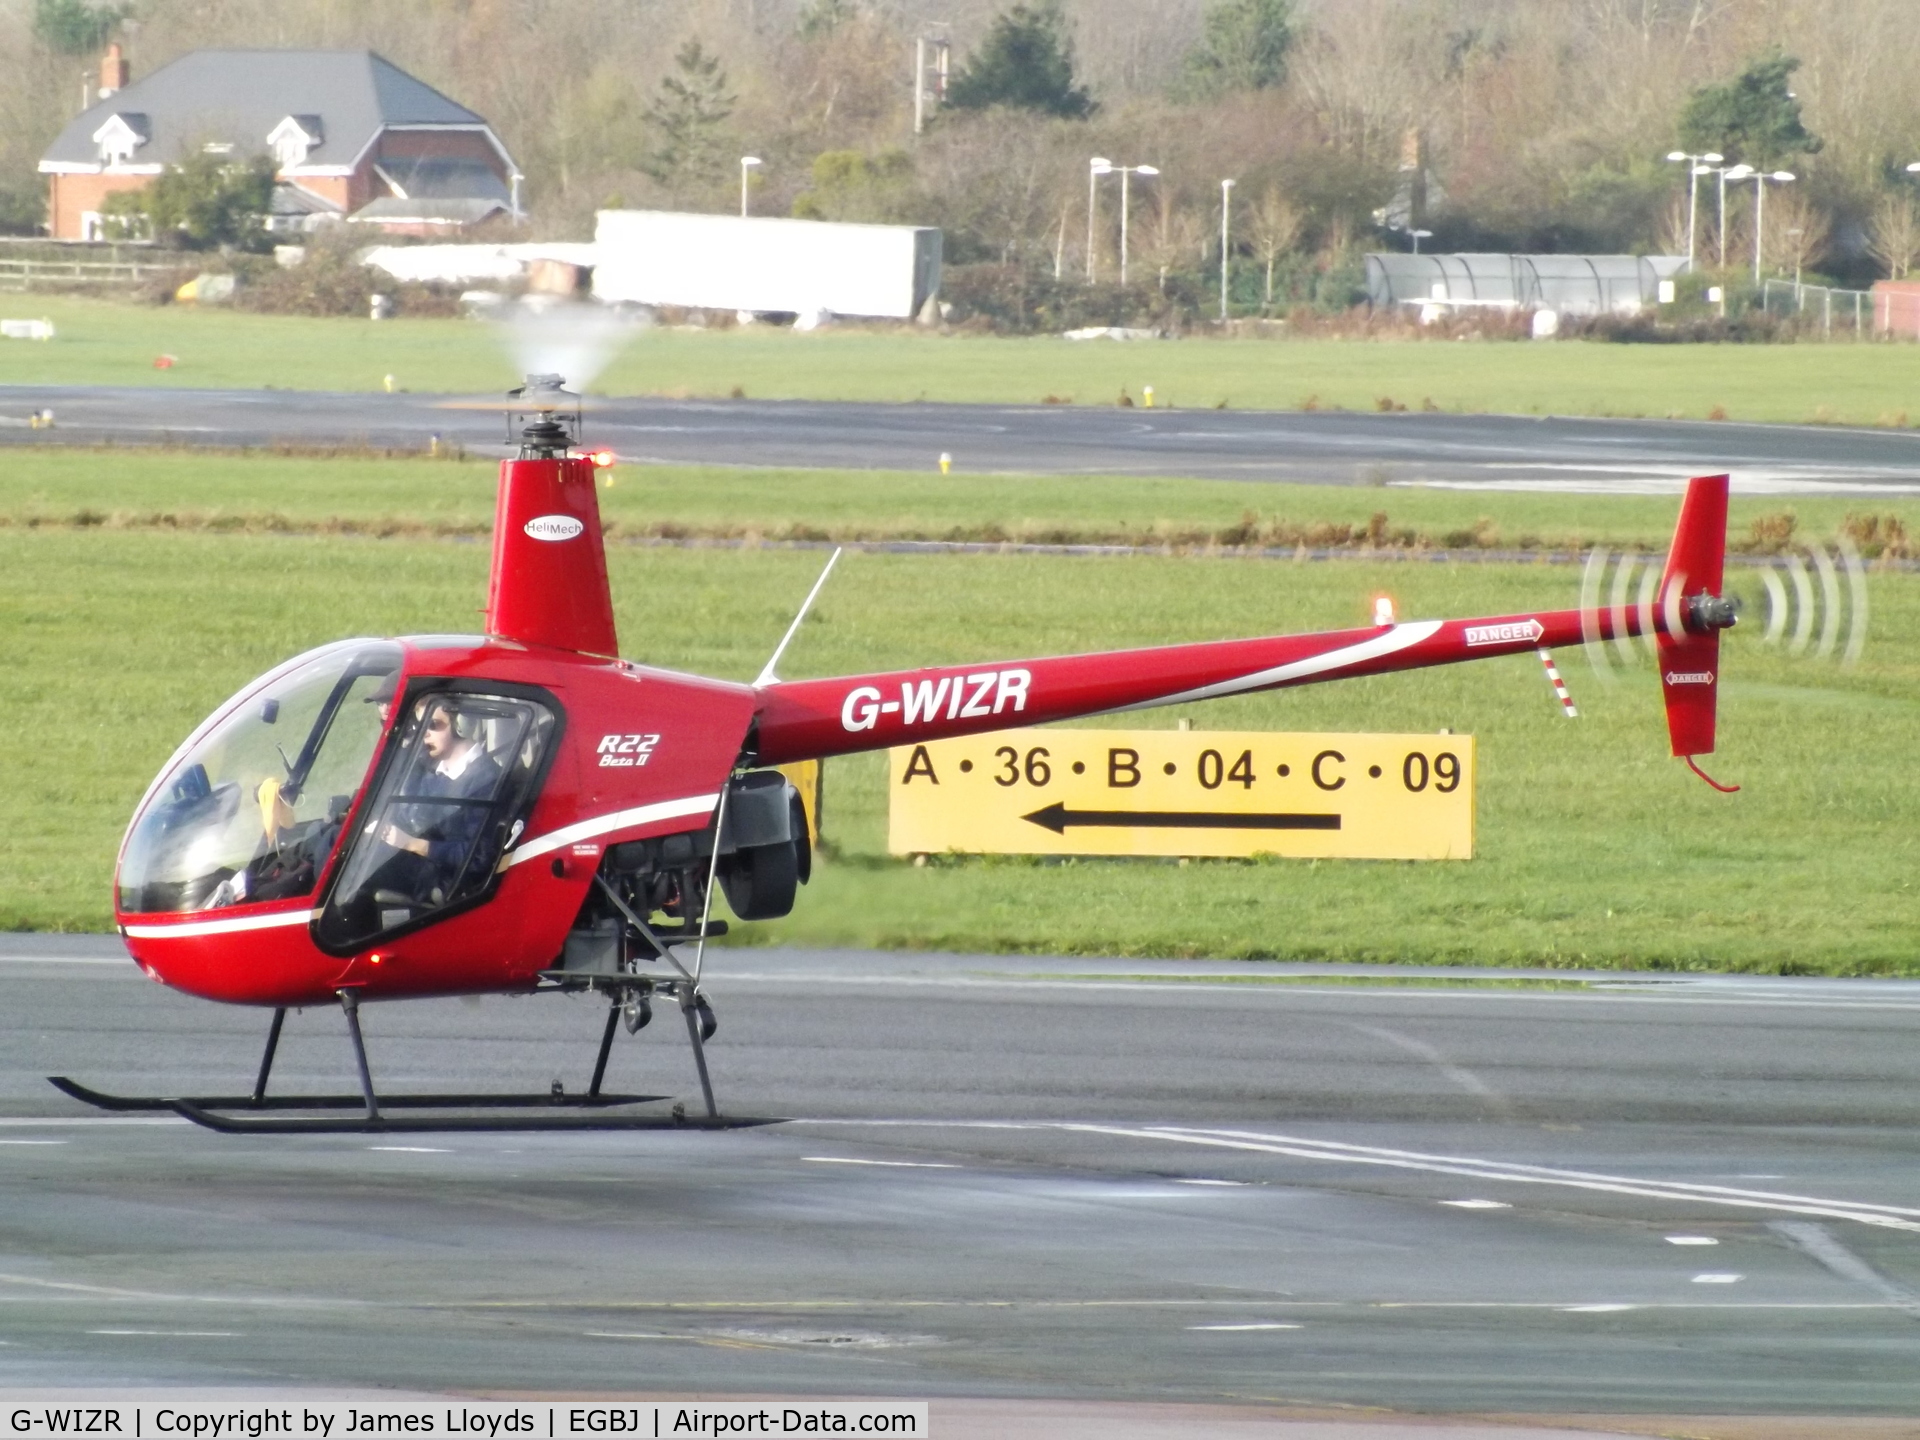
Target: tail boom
[809,719]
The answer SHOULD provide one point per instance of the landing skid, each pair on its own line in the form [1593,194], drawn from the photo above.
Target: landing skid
[448,1124]
[101,1100]
[591,1111]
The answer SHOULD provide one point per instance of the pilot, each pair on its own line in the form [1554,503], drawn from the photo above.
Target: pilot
[462,770]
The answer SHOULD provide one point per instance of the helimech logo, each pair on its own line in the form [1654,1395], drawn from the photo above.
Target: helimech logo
[553,527]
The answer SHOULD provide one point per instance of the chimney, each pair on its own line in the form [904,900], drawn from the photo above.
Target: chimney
[114,71]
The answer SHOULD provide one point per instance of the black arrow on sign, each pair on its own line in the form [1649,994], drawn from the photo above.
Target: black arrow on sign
[1056,817]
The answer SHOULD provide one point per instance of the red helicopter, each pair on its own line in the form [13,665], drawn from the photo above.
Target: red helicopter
[524,811]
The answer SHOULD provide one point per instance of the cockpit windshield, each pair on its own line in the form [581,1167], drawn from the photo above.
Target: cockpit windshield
[252,811]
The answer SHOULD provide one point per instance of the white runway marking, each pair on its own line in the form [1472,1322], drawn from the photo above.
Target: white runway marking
[123,961]
[174,1334]
[1248,987]
[1891,1217]
[1717,1279]
[1264,1325]
[883,1164]
[1478,1204]
[1691,1240]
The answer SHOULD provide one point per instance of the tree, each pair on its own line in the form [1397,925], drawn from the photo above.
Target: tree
[851,185]
[1799,232]
[73,27]
[1275,230]
[206,200]
[1243,46]
[685,116]
[1753,119]
[1027,63]
[1893,235]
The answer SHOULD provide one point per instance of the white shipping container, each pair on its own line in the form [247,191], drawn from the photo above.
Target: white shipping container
[724,262]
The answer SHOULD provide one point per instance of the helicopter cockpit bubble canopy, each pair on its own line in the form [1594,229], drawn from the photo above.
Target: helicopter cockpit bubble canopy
[251,807]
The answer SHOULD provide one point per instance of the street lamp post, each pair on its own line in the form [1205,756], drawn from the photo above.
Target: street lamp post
[1127,172]
[1726,173]
[1226,200]
[1760,179]
[747,163]
[1778,177]
[1096,167]
[1697,165]
[1418,236]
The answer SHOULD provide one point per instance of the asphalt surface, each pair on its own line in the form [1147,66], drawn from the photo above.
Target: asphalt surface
[1475,451]
[998,1181]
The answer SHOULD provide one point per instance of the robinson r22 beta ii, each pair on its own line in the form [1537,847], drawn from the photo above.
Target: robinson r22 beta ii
[525,811]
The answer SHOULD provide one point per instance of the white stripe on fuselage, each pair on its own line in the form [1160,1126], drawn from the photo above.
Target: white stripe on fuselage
[618,820]
[1387,642]
[233,926]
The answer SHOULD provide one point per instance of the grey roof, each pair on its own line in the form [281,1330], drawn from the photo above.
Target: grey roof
[237,96]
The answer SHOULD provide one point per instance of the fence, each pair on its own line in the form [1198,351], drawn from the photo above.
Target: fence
[1855,307]
[25,274]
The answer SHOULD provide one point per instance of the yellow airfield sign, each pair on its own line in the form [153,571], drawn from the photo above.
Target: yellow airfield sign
[1184,792]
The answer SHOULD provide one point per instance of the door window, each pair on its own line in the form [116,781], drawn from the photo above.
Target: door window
[452,799]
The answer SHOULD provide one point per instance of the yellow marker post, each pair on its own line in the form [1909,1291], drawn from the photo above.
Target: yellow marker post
[1193,792]
[946,462]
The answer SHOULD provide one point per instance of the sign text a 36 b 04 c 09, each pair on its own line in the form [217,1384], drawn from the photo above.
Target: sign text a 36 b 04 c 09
[1185,792]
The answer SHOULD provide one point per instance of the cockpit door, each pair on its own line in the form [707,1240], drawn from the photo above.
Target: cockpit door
[450,798]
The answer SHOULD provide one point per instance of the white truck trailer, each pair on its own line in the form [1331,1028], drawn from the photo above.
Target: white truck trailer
[765,265]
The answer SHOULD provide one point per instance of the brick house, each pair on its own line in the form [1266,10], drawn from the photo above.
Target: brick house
[355,137]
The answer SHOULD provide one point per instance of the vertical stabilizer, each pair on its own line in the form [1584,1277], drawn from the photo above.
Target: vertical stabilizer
[1689,626]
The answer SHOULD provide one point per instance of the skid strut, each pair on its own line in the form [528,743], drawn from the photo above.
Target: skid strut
[627,995]
[494,1112]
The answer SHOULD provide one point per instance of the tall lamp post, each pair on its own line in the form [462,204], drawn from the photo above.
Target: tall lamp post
[1096,167]
[1760,179]
[1726,173]
[1697,165]
[1126,173]
[1226,201]
[747,164]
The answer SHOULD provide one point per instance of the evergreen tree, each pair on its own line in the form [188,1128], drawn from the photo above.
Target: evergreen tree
[204,201]
[1753,119]
[1243,46]
[1027,63]
[685,116]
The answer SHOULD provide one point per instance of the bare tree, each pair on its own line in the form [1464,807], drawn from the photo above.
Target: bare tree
[1893,235]
[1171,237]
[1798,232]
[1275,229]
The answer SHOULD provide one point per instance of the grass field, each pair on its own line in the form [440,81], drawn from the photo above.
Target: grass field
[106,343]
[1594,847]
[183,489]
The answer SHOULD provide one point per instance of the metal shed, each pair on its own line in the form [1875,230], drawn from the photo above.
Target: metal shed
[1570,284]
